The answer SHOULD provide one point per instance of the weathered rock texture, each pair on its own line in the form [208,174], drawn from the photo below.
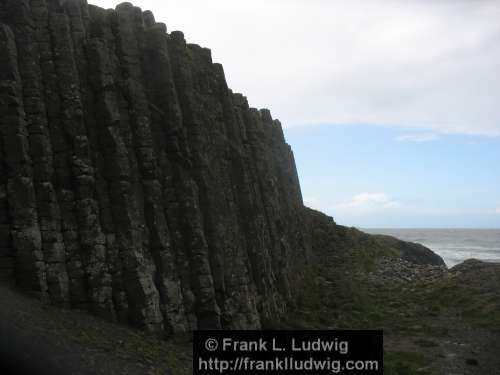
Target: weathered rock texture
[133,182]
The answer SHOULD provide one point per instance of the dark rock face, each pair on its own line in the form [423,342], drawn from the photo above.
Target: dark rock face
[133,182]
[418,254]
[135,185]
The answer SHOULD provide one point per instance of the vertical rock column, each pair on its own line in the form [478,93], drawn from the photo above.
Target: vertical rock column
[6,252]
[217,148]
[171,150]
[40,150]
[133,182]
[108,148]
[241,293]
[267,214]
[20,192]
[146,185]
[122,177]
[93,241]
[207,310]
[90,282]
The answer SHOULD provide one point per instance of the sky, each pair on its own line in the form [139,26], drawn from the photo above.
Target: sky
[392,107]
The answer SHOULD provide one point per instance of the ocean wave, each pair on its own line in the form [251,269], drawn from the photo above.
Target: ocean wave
[462,247]
[454,245]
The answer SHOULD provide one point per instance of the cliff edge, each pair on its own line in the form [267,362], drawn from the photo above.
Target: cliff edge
[135,185]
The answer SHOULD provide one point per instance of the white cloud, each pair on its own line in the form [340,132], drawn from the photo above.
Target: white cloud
[412,64]
[369,201]
[497,211]
[418,138]
[313,202]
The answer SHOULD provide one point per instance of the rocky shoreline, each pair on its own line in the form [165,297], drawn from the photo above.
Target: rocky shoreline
[435,320]
[140,198]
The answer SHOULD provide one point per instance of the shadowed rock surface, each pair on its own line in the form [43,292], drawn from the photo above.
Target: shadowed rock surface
[135,185]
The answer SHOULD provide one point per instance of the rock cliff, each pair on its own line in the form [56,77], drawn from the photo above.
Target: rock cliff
[135,184]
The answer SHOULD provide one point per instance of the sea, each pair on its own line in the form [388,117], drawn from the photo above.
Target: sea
[453,245]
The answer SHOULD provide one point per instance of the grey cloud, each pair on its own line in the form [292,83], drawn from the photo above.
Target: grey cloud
[417,64]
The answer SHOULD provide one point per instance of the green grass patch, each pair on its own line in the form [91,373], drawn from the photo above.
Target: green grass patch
[424,343]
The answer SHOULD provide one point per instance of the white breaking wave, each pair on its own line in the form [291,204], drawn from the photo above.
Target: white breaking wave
[453,245]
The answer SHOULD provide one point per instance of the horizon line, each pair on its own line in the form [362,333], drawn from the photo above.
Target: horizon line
[432,228]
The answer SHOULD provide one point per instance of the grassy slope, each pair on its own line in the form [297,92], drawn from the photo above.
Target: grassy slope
[436,321]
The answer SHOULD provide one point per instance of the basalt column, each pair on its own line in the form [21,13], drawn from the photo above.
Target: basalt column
[133,182]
